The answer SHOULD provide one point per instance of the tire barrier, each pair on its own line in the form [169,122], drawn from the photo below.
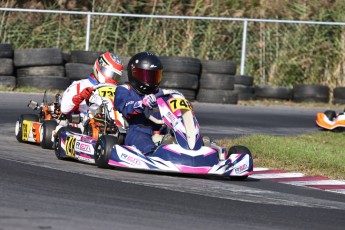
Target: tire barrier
[273,92]
[311,93]
[216,84]
[209,81]
[244,87]
[217,96]
[7,78]
[42,68]
[181,74]
[339,95]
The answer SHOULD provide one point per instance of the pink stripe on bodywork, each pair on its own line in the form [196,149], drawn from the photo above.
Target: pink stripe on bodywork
[199,170]
[115,163]
[170,149]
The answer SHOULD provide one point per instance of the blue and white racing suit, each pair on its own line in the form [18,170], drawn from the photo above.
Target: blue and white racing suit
[140,129]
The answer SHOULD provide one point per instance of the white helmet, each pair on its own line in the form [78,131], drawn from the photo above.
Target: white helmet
[108,68]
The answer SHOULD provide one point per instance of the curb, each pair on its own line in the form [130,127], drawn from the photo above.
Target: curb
[299,179]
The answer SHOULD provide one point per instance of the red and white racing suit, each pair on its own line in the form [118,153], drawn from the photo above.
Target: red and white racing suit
[68,102]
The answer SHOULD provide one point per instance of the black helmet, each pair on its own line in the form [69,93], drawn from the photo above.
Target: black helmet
[145,72]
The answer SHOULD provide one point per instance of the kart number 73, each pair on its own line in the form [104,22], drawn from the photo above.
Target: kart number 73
[108,92]
[179,103]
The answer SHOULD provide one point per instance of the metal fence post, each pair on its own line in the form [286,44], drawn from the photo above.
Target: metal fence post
[88,28]
[244,43]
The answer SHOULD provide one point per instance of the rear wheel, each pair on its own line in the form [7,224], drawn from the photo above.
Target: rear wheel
[238,149]
[19,124]
[103,149]
[57,140]
[46,132]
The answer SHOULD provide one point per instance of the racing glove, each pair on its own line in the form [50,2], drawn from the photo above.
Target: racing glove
[149,101]
[85,94]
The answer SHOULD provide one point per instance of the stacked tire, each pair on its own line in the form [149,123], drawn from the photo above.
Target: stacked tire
[311,93]
[273,92]
[80,64]
[181,74]
[339,95]
[217,82]
[7,78]
[244,87]
[42,68]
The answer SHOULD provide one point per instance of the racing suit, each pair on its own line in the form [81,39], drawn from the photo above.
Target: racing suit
[140,128]
[69,103]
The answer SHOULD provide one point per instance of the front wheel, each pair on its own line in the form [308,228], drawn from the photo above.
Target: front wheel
[20,129]
[46,132]
[103,150]
[238,149]
[57,140]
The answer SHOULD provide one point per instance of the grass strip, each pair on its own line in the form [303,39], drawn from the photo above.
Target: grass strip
[319,154]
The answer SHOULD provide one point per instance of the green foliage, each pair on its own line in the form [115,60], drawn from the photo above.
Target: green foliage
[277,53]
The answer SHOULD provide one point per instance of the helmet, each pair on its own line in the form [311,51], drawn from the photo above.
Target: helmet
[145,72]
[108,68]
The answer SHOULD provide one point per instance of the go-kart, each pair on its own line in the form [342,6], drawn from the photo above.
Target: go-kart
[180,150]
[330,120]
[101,119]
[38,128]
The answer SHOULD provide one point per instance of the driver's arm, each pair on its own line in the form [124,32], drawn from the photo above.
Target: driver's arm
[73,97]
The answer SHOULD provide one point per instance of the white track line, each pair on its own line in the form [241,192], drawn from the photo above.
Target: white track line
[277,175]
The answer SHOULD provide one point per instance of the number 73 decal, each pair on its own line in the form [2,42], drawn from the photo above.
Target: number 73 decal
[179,103]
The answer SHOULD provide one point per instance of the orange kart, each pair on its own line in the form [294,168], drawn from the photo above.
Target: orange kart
[39,128]
[330,120]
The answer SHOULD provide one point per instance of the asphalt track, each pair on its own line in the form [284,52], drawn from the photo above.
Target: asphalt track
[37,191]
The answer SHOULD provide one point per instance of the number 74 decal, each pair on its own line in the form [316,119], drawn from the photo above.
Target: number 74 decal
[179,103]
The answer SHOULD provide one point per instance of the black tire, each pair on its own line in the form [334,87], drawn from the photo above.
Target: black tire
[181,64]
[19,124]
[6,66]
[339,93]
[179,80]
[47,129]
[238,149]
[44,82]
[57,140]
[244,80]
[78,71]
[8,81]
[273,92]
[217,96]
[6,51]
[338,101]
[222,67]
[37,57]
[57,70]
[103,149]
[330,114]
[311,93]
[84,57]
[217,81]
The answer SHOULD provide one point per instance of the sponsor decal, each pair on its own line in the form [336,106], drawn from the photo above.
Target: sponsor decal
[69,145]
[83,147]
[241,168]
[129,159]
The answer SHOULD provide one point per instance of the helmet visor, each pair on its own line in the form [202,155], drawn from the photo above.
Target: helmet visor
[147,76]
[109,73]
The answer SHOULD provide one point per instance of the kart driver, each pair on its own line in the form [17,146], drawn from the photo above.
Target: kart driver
[107,69]
[144,76]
